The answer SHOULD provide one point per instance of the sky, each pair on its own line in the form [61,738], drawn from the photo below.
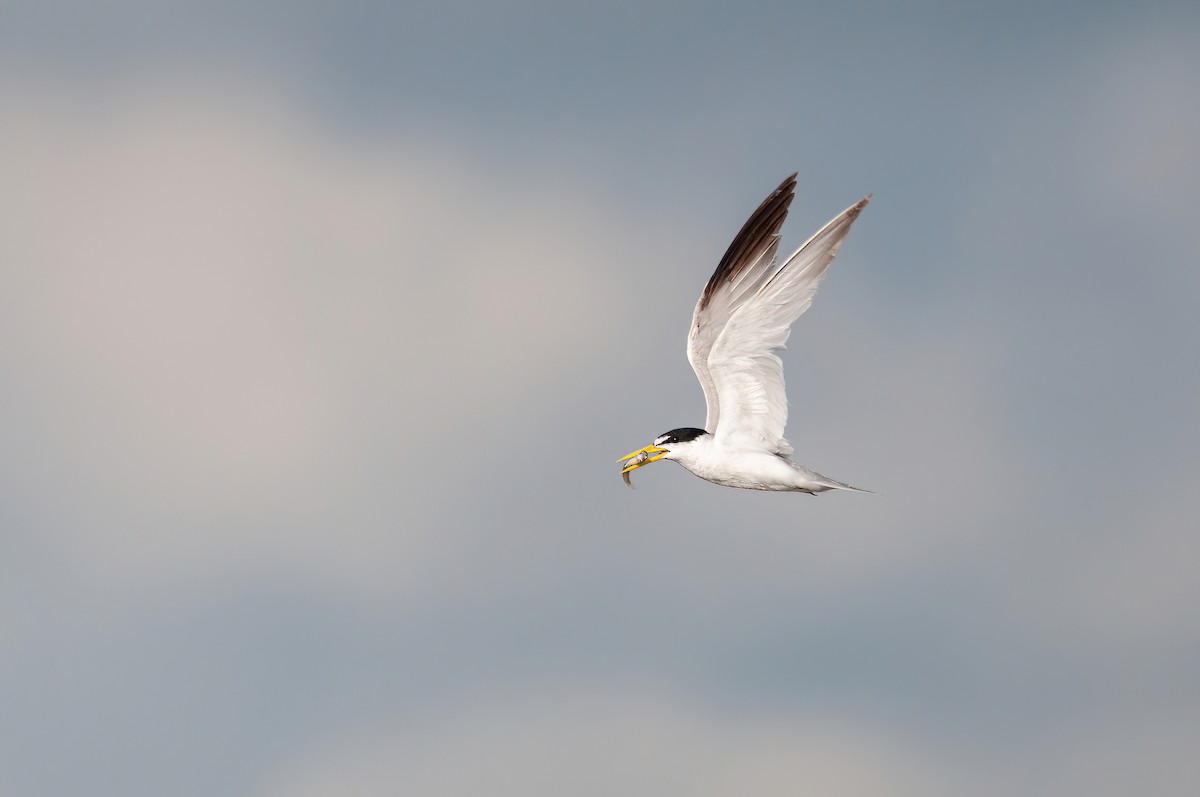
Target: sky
[322,327]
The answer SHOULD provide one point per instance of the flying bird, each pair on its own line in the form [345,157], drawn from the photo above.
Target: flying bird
[743,317]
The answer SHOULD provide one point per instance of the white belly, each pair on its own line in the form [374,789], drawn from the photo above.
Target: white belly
[754,471]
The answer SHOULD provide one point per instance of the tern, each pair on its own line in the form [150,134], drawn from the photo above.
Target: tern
[743,318]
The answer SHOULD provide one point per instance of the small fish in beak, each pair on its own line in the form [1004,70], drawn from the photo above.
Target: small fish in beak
[639,458]
[637,461]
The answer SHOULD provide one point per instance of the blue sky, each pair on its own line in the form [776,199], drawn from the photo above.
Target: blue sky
[320,330]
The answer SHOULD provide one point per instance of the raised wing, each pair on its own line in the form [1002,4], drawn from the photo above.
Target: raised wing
[745,373]
[748,260]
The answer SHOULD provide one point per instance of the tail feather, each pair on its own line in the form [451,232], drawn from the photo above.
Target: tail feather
[823,483]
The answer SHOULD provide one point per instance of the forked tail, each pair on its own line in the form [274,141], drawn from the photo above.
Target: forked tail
[823,483]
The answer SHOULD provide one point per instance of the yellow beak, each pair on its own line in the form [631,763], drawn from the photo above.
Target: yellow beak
[635,459]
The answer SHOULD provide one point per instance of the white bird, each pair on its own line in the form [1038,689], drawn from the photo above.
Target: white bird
[743,317]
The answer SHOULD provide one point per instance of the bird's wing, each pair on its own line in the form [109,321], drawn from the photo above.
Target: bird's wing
[745,372]
[748,260]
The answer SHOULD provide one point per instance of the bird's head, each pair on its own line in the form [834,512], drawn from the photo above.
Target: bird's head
[674,444]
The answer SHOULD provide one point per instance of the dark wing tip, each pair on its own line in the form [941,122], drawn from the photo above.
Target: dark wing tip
[754,235]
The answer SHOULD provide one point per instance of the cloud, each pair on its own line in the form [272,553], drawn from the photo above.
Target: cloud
[603,742]
[603,738]
[1124,599]
[249,344]
[252,347]
[231,332]
[1080,236]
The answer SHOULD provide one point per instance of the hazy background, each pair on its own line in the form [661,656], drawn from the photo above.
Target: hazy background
[322,327]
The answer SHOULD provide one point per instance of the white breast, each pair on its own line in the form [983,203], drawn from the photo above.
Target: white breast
[751,470]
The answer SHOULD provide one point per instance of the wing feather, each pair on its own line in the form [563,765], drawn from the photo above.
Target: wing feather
[747,263]
[742,373]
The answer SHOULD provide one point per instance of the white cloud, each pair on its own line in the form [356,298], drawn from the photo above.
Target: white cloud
[208,304]
[1088,213]
[1126,598]
[601,739]
[242,340]
[221,317]
[600,742]
[1112,758]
